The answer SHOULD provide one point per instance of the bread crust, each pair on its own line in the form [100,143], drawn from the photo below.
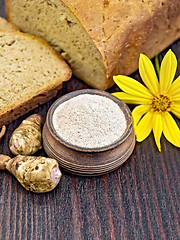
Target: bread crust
[121,30]
[24,107]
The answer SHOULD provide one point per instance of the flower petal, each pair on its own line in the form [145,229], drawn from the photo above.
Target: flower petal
[170,129]
[175,109]
[148,74]
[127,98]
[175,87]
[138,112]
[167,71]
[131,86]
[157,128]
[144,127]
[175,98]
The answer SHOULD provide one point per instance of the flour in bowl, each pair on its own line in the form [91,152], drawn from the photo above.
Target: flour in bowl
[89,121]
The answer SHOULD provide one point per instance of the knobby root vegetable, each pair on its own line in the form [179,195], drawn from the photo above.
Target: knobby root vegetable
[2,132]
[36,174]
[26,139]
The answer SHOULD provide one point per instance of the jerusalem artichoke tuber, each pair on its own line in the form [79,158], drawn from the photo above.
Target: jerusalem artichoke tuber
[26,139]
[2,132]
[37,174]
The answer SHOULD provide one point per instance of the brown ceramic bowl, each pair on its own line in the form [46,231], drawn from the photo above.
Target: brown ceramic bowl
[68,96]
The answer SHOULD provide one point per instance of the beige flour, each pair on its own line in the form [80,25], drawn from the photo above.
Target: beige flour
[89,121]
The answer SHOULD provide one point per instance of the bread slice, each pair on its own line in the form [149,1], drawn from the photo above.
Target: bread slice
[7,26]
[101,38]
[31,73]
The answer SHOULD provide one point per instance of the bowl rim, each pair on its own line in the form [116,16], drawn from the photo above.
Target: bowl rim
[73,94]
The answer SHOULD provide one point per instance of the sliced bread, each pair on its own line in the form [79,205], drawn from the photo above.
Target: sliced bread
[31,73]
[7,26]
[100,38]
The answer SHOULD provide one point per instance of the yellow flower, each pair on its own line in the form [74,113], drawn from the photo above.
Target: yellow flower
[156,100]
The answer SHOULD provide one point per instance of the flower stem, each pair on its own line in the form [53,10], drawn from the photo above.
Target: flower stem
[157,65]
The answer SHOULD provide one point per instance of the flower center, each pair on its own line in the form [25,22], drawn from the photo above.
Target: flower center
[161,103]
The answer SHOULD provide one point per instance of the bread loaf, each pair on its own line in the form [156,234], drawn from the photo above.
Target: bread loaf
[31,73]
[101,38]
[7,26]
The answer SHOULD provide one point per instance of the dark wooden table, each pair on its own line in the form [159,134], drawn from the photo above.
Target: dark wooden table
[140,200]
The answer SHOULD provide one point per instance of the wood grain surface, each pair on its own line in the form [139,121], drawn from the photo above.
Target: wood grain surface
[139,200]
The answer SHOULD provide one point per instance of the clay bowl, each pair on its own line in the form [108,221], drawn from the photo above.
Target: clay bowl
[88,161]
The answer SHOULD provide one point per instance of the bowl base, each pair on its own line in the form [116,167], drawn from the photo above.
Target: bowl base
[85,163]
